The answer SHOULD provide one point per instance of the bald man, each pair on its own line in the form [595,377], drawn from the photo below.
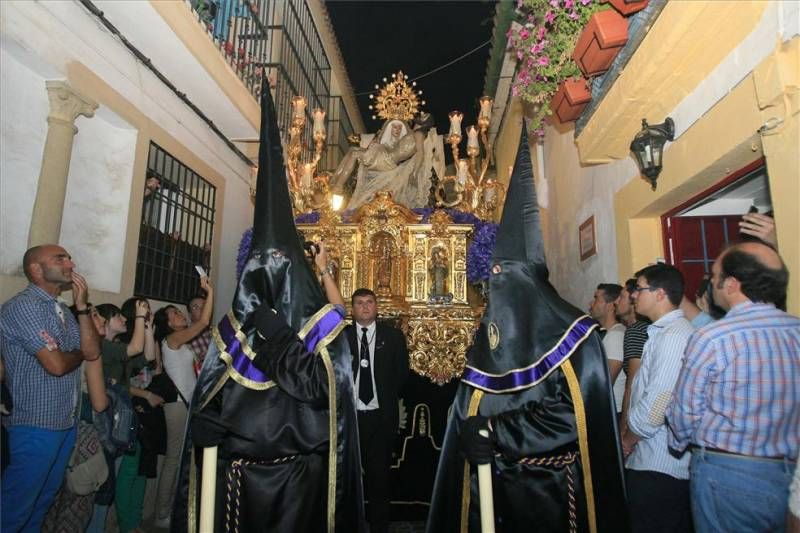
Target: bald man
[43,346]
[736,405]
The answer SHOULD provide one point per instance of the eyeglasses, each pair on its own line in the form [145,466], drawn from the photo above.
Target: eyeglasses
[640,289]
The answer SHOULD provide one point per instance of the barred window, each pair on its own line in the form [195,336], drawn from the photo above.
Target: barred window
[176,230]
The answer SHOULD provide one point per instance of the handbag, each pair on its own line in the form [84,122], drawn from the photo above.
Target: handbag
[152,426]
[117,425]
[163,385]
[87,469]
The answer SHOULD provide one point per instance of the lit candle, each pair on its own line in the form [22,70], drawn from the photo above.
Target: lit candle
[472,137]
[486,107]
[299,106]
[319,121]
[308,169]
[462,171]
[455,122]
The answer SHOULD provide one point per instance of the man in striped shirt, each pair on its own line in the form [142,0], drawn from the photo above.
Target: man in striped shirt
[632,344]
[737,401]
[658,481]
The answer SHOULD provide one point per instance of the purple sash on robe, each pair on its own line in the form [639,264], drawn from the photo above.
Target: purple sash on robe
[527,377]
[242,363]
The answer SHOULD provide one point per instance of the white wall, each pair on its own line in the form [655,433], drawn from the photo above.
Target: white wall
[23,127]
[41,41]
[98,197]
[237,219]
[575,193]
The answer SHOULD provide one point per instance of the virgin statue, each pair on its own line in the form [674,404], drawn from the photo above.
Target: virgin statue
[397,159]
[438,270]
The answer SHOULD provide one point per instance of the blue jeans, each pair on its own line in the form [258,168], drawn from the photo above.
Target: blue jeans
[100,513]
[39,460]
[738,494]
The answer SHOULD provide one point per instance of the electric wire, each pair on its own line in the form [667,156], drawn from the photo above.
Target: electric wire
[437,69]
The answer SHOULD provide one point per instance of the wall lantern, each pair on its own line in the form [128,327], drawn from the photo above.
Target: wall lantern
[648,147]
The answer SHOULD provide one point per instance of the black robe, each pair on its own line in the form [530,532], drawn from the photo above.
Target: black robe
[274,469]
[538,469]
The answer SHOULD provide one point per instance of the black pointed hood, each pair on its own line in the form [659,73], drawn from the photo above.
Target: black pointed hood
[276,271]
[519,237]
[525,319]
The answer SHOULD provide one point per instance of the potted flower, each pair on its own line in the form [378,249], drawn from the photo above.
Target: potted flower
[628,7]
[570,99]
[543,43]
[603,37]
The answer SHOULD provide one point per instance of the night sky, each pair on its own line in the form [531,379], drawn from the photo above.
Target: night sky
[379,37]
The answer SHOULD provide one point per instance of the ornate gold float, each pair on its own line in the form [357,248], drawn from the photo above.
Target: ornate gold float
[418,272]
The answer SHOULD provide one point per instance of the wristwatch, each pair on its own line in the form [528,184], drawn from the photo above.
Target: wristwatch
[327,270]
[82,311]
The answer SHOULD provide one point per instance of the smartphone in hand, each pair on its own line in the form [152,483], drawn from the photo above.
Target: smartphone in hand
[201,271]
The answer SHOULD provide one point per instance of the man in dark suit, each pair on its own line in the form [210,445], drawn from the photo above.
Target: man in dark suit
[380,367]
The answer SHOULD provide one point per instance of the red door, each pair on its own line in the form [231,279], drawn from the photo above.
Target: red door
[694,242]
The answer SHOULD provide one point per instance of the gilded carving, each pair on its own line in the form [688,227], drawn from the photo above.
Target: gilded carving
[460,289]
[409,265]
[382,254]
[419,285]
[440,220]
[438,342]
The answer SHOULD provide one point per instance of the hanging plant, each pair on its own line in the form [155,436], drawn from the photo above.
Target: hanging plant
[543,44]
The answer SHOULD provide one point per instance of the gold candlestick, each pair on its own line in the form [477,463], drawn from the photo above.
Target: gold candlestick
[454,140]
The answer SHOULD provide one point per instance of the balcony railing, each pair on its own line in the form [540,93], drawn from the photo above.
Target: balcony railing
[276,38]
[339,128]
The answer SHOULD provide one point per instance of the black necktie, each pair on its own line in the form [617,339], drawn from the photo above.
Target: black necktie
[365,381]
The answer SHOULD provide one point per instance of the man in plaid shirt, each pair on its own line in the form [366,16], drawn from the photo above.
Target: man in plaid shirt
[737,401]
[43,347]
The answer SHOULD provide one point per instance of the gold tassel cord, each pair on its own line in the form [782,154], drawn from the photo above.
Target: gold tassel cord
[472,410]
[583,442]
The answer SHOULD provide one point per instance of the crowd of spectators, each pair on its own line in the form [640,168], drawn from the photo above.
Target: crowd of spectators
[94,403]
[710,414]
[95,397]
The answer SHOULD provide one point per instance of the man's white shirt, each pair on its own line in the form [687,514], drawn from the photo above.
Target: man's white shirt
[371,330]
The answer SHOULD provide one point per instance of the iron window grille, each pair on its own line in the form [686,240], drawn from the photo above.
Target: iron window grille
[176,231]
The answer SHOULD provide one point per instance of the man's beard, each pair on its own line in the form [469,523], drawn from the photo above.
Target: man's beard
[55,275]
[714,309]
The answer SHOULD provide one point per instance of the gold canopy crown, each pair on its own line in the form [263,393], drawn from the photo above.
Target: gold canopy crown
[397,99]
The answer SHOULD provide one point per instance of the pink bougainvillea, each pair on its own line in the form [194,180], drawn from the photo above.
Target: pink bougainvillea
[543,44]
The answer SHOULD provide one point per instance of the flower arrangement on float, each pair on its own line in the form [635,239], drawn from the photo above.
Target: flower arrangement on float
[543,43]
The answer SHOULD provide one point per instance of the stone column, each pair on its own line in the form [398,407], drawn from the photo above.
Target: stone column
[65,106]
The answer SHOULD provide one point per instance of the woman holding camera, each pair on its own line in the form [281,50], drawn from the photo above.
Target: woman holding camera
[174,332]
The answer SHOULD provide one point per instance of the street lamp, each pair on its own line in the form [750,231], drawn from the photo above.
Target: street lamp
[648,148]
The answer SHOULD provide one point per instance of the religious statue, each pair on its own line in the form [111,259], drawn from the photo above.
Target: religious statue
[399,158]
[438,270]
[383,252]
